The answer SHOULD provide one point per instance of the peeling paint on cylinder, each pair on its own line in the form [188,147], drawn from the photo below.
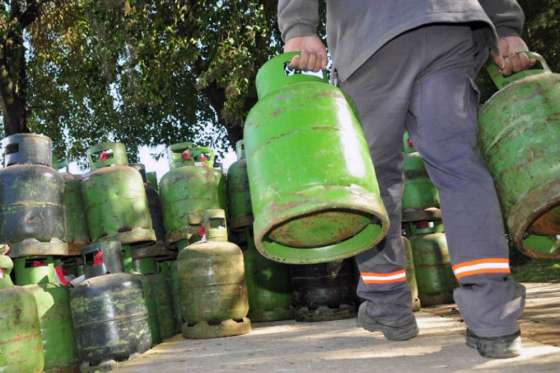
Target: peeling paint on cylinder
[518,135]
[115,199]
[21,347]
[325,203]
[110,318]
[31,198]
[325,291]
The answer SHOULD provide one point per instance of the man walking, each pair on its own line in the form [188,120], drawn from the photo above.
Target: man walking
[410,65]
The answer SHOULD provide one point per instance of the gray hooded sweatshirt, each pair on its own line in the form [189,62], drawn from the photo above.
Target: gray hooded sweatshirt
[356,29]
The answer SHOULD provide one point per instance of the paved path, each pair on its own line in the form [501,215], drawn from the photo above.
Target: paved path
[338,346]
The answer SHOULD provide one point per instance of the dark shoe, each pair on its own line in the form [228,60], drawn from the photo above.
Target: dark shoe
[502,347]
[391,331]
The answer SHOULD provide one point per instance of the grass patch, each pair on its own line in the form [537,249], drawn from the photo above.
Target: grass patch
[537,271]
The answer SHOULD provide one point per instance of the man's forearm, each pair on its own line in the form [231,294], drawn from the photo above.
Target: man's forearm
[507,16]
[298,18]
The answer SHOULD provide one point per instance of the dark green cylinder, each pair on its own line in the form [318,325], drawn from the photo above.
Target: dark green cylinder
[21,347]
[434,275]
[314,192]
[239,196]
[115,198]
[518,137]
[75,223]
[110,318]
[325,291]
[419,191]
[31,198]
[268,285]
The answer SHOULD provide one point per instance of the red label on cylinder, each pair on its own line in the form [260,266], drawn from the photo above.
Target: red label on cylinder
[98,259]
[186,155]
[60,274]
[423,224]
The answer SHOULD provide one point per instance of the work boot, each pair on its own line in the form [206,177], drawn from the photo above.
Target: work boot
[392,330]
[502,347]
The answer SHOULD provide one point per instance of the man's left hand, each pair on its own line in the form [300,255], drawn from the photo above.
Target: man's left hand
[509,59]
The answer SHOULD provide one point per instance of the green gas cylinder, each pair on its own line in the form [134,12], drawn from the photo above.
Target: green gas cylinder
[239,196]
[31,198]
[75,224]
[411,275]
[21,347]
[158,297]
[115,198]
[518,135]
[314,191]
[48,286]
[434,275]
[419,191]
[268,284]
[212,284]
[188,189]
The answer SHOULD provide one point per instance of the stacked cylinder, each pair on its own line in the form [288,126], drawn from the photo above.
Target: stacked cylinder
[428,268]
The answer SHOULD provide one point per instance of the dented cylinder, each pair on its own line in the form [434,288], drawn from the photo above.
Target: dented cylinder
[314,191]
[115,198]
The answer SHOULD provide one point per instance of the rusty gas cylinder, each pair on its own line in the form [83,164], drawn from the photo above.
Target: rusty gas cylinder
[518,135]
[31,198]
[314,191]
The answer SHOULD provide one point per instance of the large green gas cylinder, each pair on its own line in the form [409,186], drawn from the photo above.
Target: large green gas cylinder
[21,347]
[268,284]
[239,196]
[188,189]
[518,137]
[109,314]
[212,284]
[31,192]
[115,198]
[434,275]
[411,275]
[419,191]
[314,191]
[75,224]
[52,298]
[324,291]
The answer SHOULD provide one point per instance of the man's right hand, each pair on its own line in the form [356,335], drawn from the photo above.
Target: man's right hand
[313,54]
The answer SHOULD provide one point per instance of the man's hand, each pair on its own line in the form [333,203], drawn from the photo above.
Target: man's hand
[313,54]
[509,60]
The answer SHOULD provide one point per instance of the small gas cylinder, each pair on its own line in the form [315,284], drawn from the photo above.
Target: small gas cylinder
[212,284]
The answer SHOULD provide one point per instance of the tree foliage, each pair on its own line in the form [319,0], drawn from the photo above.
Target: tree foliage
[147,72]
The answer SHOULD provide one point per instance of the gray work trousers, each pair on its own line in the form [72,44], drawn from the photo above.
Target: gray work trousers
[423,81]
